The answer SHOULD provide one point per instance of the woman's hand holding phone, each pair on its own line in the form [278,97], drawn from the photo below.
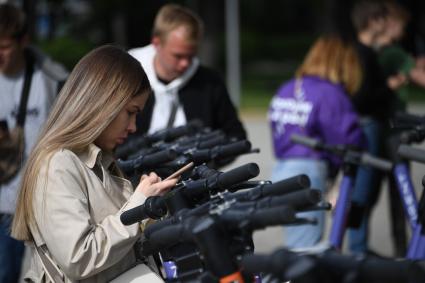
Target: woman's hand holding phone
[152,185]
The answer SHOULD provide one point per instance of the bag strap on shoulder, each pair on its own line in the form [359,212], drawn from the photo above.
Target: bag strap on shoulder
[50,268]
[29,69]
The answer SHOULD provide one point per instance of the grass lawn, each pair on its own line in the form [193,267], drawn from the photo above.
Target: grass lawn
[256,96]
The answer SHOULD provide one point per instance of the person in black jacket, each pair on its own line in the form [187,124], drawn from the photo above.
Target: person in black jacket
[376,103]
[183,89]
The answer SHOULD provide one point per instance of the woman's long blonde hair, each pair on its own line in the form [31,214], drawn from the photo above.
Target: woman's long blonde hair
[100,85]
[333,59]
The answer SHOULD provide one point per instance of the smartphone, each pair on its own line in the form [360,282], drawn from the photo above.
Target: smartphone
[180,171]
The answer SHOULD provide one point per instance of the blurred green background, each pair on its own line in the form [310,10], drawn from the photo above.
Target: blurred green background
[274,34]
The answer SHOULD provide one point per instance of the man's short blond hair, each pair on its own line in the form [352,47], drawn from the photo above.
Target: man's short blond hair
[171,17]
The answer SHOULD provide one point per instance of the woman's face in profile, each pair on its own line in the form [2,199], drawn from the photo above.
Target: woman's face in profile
[124,124]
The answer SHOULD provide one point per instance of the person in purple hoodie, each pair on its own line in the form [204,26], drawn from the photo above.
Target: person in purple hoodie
[316,104]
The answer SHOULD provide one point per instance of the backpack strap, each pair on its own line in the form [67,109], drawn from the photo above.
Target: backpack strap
[29,69]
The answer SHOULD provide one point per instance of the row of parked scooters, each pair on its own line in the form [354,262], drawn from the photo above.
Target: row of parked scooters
[204,226]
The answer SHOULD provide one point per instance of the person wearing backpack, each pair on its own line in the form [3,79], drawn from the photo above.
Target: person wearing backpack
[29,83]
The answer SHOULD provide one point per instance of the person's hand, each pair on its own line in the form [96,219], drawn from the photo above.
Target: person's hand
[417,75]
[396,81]
[152,185]
[420,62]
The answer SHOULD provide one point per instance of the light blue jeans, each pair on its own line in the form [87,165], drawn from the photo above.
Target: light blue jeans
[303,236]
[367,180]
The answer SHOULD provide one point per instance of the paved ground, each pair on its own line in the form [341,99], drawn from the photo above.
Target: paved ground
[272,238]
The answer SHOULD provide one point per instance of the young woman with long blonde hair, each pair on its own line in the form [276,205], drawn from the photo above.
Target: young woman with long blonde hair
[72,193]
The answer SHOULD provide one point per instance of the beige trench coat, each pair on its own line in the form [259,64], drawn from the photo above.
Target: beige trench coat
[77,214]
